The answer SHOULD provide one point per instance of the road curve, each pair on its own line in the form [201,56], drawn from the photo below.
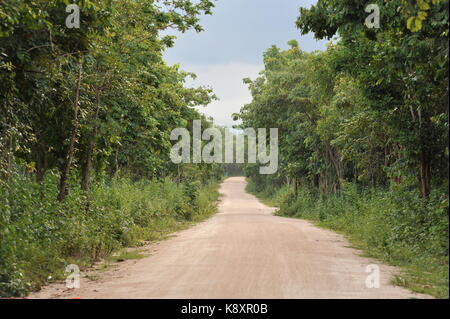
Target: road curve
[242,252]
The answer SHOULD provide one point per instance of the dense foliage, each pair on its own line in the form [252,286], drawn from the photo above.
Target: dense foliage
[85,121]
[371,114]
[40,235]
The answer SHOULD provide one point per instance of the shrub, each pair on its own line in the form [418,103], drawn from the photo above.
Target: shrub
[39,236]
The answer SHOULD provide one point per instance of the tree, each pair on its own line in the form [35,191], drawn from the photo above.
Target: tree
[404,74]
[94,96]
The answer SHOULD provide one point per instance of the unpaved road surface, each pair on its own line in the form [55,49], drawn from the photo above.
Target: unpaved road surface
[242,252]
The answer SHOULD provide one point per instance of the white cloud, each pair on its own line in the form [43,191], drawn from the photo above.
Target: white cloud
[226,81]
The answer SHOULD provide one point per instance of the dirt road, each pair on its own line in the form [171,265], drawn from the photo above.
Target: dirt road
[242,252]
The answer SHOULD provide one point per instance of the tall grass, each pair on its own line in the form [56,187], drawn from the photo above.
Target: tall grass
[395,226]
[39,236]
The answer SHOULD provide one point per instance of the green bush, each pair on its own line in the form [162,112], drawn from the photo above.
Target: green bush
[39,236]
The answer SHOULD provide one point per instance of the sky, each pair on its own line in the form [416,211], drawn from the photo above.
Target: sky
[231,48]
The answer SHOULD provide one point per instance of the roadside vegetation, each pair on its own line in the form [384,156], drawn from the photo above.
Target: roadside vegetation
[363,132]
[41,236]
[85,120]
[394,227]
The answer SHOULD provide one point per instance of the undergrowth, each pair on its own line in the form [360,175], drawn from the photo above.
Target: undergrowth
[394,226]
[40,236]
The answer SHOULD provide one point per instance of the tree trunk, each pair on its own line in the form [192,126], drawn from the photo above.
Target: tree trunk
[86,166]
[337,166]
[116,161]
[41,164]
[424,174]
[296,187]
[73,136]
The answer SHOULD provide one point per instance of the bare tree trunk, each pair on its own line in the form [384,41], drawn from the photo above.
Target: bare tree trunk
[39,174]
[337,166]
[86,167]
[296,187]
[117,160]
[41,165]
[424,174]
[73,136]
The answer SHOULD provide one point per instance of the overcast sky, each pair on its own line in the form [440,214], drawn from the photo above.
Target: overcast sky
[231,48]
